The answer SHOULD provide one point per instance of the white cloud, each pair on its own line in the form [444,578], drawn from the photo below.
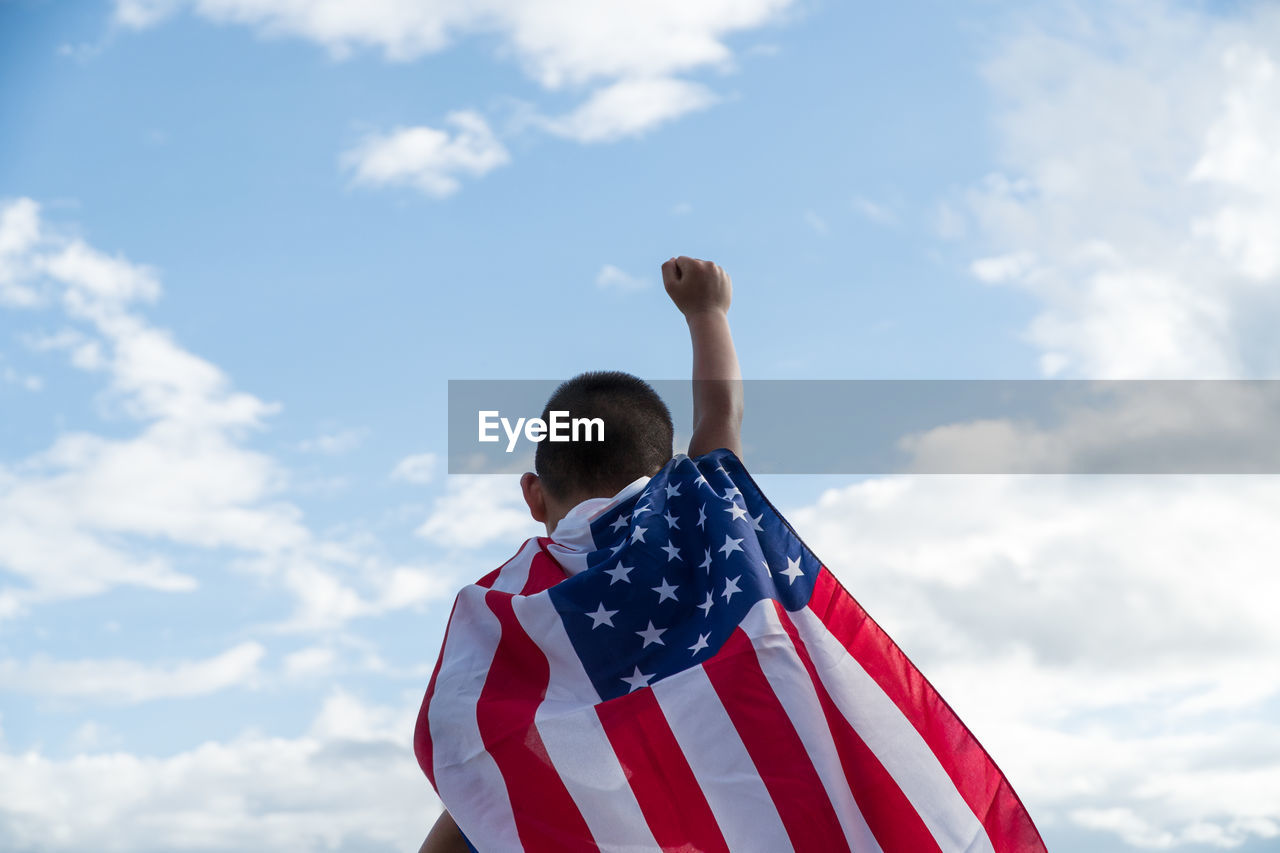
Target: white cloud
[626,55]
[1149,210]
[558,42]
[90,736]
[183,476]
[817,223]
[139,14]
[1111,640]
[409,586]
[479,509]
[331,587]
[19,232]
[349,782]
[13,376]
[89,512]
[429,159]
[403,30]
[874,211]
[419,468]
[948,222]
[625,58]
[573,41]
[310,662]
[97,282]
[1240,160]
[1117,427]
[1002,268]
[121,680]
[333,443]
[613,278]
[629,107]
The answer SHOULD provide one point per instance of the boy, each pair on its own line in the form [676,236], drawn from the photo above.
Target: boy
[638,429]
[672,668]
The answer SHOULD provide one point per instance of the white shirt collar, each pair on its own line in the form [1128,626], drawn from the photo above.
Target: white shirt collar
[571,541]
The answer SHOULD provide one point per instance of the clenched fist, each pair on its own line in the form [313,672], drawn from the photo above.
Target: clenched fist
[697,287]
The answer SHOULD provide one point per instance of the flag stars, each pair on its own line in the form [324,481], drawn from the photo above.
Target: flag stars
[706,606]
[640,509]
[619,574]
[602,617]
[637,680]
[731,493]
[673,490]
[652,635]
[620,522]
[700,645]
[665,591]
[702,517]
[672,521]
[737,511]
[637,535]
[793,570]
[755,522]
[730,587]
[673,553]
[706,561]
[730,545]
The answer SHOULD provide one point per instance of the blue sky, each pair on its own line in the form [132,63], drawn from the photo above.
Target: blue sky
[245,245]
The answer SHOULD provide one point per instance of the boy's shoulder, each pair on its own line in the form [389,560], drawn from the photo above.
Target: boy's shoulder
[530,569]
[540,562]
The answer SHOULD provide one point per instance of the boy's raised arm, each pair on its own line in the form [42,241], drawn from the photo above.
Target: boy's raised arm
[702,291]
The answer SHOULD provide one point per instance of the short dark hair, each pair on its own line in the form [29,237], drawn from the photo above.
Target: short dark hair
[638,435]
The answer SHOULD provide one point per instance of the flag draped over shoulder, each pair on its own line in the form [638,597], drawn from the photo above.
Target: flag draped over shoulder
[680,672]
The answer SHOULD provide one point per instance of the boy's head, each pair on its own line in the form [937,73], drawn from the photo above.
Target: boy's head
[638,436]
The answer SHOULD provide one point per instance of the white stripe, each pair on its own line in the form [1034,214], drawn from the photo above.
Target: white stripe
[468,779]
[573,562]
[893,740]
[794,688]
[575,739]
[725,772]
[572,540]
[514,574]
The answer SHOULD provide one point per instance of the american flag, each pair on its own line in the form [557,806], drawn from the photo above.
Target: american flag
[688,676]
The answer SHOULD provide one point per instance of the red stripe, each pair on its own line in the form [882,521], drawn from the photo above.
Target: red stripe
[422,748]
[971,769]
[775,747]
[490,579]
[546,816]
[544,571]
[664,784]
[888,813]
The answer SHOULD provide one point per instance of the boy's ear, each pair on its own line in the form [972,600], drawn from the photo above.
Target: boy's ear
[534,496]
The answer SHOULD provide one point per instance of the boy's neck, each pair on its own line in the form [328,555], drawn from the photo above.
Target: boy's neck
[557,510]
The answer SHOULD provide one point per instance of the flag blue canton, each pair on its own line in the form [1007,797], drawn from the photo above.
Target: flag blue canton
[676,569]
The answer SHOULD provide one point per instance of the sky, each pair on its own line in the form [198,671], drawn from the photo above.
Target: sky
[244,244]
